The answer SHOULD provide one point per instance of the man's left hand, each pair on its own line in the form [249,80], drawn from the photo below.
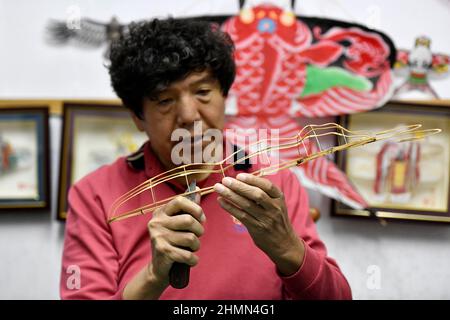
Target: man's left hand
[258,204]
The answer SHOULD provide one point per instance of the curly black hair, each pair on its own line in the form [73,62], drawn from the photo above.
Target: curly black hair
[155,53]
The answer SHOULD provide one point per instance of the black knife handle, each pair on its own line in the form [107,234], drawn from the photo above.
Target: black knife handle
[179,272]
[179,275]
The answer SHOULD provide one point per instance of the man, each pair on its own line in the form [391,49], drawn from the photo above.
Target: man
[252,239]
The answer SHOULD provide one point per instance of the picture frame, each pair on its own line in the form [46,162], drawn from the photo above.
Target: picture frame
[24,158]
[405,181]
[93,135]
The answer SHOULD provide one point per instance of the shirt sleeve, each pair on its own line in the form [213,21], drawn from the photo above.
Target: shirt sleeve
[319,276]
[89,260]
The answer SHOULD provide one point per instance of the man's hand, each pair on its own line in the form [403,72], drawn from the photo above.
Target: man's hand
[174,236]
[170,234]
[260,206]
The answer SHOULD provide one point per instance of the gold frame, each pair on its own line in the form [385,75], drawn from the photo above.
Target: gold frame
[434,107]
[56,106]
[67,140]
[42,201]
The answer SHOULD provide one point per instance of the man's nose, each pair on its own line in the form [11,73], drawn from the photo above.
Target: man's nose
[188,111]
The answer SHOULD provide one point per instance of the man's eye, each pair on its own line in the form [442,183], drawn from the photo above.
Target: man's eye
[165,102]
[203,92]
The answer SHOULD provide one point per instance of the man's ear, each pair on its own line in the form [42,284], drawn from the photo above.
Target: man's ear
[138,122]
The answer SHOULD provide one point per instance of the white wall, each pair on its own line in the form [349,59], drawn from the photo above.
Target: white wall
[414,258]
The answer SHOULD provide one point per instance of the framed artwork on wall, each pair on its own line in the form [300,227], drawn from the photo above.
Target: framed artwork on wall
[408,180]
[24,158]
[93,135]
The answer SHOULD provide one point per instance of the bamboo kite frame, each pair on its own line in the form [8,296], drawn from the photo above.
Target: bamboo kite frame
[351,139]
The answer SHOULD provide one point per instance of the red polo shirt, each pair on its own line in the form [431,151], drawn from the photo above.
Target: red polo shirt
[105,257]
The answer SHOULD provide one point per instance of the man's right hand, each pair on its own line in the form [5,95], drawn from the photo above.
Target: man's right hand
[174,236]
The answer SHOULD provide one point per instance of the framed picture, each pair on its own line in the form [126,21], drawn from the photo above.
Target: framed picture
[408,180]
[93,135]
[24,158]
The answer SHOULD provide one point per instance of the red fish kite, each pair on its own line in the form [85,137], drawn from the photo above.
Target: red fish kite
[291,67]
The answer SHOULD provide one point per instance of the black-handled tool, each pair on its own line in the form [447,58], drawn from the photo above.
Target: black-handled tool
[179,272]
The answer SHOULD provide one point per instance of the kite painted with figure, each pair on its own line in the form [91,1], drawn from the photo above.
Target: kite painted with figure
[419,66]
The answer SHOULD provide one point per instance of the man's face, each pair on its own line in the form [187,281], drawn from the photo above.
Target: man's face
[198,97]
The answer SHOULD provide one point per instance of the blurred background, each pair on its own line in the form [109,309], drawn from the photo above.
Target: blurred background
[382,259]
